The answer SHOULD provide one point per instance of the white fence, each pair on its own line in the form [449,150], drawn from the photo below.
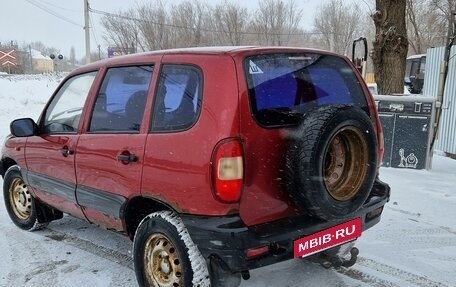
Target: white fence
[446,140]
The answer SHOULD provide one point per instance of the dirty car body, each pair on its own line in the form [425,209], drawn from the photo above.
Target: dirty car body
[250,148]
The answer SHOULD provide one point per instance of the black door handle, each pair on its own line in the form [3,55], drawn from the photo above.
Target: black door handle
[65,151]
[127,158]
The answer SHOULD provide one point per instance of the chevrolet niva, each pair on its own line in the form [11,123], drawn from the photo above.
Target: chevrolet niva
[214,161]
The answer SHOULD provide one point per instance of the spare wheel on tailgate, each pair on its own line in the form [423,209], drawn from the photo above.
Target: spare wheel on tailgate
[332,161]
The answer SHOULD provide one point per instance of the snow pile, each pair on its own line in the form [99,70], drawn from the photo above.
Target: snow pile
[37,55]
[24,96]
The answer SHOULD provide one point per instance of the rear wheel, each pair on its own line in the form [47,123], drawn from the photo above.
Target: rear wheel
[164,254]
[19,202]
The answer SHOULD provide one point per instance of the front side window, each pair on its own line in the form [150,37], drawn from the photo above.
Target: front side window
[283,87]
[120,102]
[178,98]
[64,112]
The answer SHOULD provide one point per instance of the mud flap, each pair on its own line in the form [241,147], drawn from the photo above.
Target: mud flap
[221,275]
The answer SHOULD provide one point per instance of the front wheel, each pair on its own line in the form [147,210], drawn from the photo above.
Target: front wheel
[165,255]
[19,202]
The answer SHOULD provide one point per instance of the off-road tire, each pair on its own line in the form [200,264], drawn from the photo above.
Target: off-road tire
[22,208]
[164,253]
[332,161]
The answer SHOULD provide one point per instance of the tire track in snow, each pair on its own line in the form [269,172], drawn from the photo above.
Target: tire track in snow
[390,271]
[42,266]
[368,278]
[85,245]
[395,277]
[359,275]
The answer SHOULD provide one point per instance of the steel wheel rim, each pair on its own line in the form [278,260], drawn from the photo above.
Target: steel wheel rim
[161,262]
[20,199]
[345,163]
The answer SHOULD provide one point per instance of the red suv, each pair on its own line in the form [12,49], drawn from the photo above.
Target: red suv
[214,161]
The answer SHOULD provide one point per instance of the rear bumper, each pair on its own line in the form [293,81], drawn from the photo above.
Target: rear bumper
[228,238]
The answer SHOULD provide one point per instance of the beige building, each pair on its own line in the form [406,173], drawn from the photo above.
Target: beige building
[41,64]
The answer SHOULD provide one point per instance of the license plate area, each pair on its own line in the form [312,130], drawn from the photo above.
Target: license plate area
[328,238]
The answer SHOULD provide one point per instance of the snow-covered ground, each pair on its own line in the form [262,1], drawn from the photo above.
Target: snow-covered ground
[413,245]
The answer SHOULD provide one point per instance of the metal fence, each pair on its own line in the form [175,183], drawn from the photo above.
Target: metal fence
[446,141]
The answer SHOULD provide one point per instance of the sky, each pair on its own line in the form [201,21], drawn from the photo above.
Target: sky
[23,21]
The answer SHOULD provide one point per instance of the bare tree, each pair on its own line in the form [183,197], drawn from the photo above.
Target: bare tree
[445,10]
[121,30]
[45,50]
[153,27]
[276,21]
[338,24]
[231,22]
[444,7]
[414,21]
[390,45]
[426,25]
[189,23]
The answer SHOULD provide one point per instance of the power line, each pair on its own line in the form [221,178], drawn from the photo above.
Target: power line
[47,10]
[93,31]
[59,7]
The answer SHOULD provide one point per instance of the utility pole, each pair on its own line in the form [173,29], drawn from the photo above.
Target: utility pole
[87,31]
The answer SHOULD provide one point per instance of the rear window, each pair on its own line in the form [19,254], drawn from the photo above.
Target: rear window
[283,87]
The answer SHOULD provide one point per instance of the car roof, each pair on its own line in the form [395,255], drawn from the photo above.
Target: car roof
[144,57]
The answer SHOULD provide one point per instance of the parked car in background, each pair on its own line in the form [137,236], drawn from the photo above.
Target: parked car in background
[414,73]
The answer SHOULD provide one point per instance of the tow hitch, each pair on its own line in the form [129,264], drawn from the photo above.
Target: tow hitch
[344,255]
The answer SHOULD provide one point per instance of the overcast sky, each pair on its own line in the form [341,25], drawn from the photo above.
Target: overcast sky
[22,21]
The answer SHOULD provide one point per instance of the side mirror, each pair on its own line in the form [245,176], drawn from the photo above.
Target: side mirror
[23,127]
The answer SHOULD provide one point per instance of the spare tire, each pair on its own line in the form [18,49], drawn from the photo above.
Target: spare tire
[332,161]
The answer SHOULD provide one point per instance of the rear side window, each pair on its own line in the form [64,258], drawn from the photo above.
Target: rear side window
[178,98]
[120,103]
[283,87]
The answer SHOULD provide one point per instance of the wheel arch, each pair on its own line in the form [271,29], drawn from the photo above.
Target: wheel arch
[139,207]
[6,163]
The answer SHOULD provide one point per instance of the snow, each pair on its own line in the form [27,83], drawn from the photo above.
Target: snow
[24,96]
[413,245]
[374,90]
[37,55]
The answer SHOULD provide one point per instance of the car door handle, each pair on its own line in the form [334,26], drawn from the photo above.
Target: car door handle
[127,158]
[65,151]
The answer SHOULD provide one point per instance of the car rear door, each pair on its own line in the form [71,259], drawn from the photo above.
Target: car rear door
[50,155]
[110,153]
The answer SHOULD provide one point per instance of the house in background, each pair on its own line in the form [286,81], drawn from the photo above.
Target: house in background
[40,63]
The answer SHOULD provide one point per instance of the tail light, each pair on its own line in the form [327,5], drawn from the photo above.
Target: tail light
[228,171]
[381,142]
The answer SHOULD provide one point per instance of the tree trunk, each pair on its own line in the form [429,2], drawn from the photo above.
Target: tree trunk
[390,46]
